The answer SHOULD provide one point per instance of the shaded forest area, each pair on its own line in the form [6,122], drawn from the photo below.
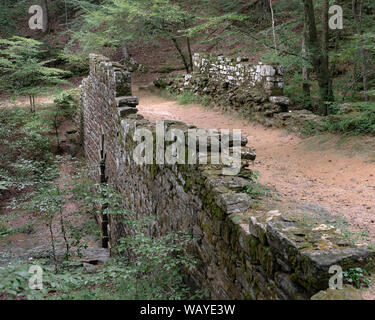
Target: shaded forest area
[328,59]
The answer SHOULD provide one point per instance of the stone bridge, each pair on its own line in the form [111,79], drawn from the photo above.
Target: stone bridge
[273,252]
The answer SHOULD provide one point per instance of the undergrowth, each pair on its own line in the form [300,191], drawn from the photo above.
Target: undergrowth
[361,120]
[147,265]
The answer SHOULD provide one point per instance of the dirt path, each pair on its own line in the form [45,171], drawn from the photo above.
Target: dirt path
[343,185]
[24,102]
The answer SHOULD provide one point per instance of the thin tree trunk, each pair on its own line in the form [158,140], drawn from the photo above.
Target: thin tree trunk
[124,50]
[263,8]
[181,54]
[315,53]
[63,231]
[305,72]
[273,25]
[31,103]
[336,48]
[33,98]
[357,12]
[45,15]
[52,239]
[190,53]
[66,13]
[188,44]
[325,50]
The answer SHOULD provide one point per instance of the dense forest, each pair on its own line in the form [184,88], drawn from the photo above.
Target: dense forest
[325,49]
[327,52]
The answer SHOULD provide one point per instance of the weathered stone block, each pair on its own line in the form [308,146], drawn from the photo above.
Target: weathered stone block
[126,111]
[127,102]
[235,202]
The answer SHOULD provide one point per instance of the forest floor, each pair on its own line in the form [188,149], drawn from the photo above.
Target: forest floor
[34,241]
[28,237]
[321,170]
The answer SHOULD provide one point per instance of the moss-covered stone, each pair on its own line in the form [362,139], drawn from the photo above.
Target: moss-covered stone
[347,293]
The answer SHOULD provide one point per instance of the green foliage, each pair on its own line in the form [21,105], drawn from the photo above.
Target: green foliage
[112,281]
[15,281]
[3,185]
[256,190]
[357,276]
[154,265]
[360,121]
[22,71]
[157,265]
[10,12]
[311,128]
[205,100]
[187,97]
[128,21]
[76,63]
[67,102]
[25,147]
[152,269]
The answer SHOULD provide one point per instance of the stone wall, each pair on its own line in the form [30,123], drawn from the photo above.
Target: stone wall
[239,71]
[233,84]
[247,250]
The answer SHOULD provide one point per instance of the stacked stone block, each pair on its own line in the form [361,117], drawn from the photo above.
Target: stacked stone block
[239,71]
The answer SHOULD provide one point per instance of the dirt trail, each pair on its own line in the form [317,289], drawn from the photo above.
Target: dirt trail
[24,101]
[343,185]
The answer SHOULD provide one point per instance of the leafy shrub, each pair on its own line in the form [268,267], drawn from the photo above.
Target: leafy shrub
[357,276]
[67,102]
[187,97]
[256,190]
[23,72]
[359,121]
[24,135]
[77,64]
[153,268]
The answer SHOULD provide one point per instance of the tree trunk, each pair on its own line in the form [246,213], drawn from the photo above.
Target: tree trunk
[305,72]
[273,25]
[188,44]
[315,53]
[31,103]
[190,53]
[34,103]
[45,15]
[325,49]
[263,8]
[124,51]
[357,8]
[66,13]
[183,58]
